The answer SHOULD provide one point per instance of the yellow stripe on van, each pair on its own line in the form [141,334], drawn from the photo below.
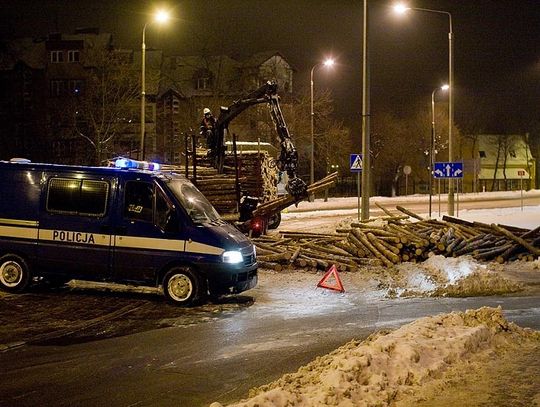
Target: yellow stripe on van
[133,242]
[149,243]
[18,232]
[18,222]
[166,244]
[196,247]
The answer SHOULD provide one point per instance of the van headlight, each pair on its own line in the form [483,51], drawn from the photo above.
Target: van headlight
[232,257]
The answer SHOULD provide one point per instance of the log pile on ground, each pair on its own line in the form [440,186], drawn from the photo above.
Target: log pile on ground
[394,239]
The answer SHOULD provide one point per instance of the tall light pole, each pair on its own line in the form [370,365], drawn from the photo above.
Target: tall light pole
[432,142]
[328,63]
[160,17]
[400,8]
[366,165]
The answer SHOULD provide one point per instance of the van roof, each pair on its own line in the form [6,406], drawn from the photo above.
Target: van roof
[79,168]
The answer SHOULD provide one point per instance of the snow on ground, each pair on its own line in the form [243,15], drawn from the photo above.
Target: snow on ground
[352,202]
[392,368]
[528,218]
[438,275]
[429,358]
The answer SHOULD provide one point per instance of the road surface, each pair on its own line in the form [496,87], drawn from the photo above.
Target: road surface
[218,360]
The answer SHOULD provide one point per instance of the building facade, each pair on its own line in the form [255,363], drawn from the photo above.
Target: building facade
[75,98]
[500,162]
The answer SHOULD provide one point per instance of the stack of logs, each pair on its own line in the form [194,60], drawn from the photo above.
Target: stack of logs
[396,239]
[257,175]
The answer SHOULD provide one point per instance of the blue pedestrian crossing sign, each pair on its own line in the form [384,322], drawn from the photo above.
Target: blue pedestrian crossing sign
[448,170]
[356,162]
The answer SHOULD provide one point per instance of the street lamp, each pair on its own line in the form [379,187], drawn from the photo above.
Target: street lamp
[432,142]
[160,17]
[401,9]
[327,63]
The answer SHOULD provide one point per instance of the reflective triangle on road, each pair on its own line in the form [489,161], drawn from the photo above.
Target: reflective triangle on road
[332,273]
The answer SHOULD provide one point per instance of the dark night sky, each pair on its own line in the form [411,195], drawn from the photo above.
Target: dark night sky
[497,45]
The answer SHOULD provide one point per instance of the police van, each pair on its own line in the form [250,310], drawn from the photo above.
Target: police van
[130,224]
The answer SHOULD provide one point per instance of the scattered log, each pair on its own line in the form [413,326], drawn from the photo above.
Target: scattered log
[397,240]
[410,213]
[516,239]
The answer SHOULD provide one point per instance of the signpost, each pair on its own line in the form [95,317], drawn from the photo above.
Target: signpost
[521,173]
[447,170]
[356,163]
[407,171]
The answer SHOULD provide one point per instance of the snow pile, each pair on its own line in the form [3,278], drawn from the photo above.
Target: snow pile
[447,276]
[388,367]
[452,269]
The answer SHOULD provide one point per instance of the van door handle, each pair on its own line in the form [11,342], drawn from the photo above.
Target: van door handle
[120,230]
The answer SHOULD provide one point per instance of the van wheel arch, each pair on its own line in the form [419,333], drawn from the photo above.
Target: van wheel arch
[15,275]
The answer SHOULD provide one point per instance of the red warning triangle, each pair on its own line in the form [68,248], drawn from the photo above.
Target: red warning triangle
[332,272]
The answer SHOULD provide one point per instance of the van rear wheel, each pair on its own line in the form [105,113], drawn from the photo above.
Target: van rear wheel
[182,286]
[14,274]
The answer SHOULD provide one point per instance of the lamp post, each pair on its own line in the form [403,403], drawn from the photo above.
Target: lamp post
[366,108]
[160,17]
[432,142]
[328,63]
[400,8]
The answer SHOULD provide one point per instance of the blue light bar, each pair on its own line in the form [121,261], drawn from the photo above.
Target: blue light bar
[126,163]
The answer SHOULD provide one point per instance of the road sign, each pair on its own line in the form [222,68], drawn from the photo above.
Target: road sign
[448,170]
[356,162]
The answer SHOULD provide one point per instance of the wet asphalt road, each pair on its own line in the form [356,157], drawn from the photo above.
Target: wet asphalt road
[217,360]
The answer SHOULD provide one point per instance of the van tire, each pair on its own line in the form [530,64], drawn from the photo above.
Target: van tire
[182,286]
[15,275]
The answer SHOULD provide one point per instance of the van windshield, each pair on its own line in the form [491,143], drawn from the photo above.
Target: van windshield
[194,202]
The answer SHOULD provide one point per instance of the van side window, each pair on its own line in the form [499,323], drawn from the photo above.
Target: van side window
[139,201]
[77,196]
[94,196]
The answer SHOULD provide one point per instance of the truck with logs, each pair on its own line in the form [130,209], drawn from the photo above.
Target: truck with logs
[258,209]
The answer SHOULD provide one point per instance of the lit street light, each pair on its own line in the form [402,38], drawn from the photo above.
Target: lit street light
[432,142]
[401,9]
[160,17]
[328,63]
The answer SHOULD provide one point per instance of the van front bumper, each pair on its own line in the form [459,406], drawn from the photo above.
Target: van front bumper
[230,281]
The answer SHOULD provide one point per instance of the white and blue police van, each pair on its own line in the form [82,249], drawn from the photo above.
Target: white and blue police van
[122,224]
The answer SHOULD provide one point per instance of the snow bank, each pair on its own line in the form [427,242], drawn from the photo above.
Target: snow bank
[448,276]
[389,366]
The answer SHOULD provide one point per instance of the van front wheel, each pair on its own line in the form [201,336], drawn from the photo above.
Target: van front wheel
[182,286]
[14,274]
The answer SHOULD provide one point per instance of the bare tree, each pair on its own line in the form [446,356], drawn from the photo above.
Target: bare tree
[106,104]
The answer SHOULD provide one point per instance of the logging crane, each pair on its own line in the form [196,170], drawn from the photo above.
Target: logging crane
[288,157]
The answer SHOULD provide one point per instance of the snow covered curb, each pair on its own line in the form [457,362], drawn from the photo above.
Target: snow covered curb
[387,366]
